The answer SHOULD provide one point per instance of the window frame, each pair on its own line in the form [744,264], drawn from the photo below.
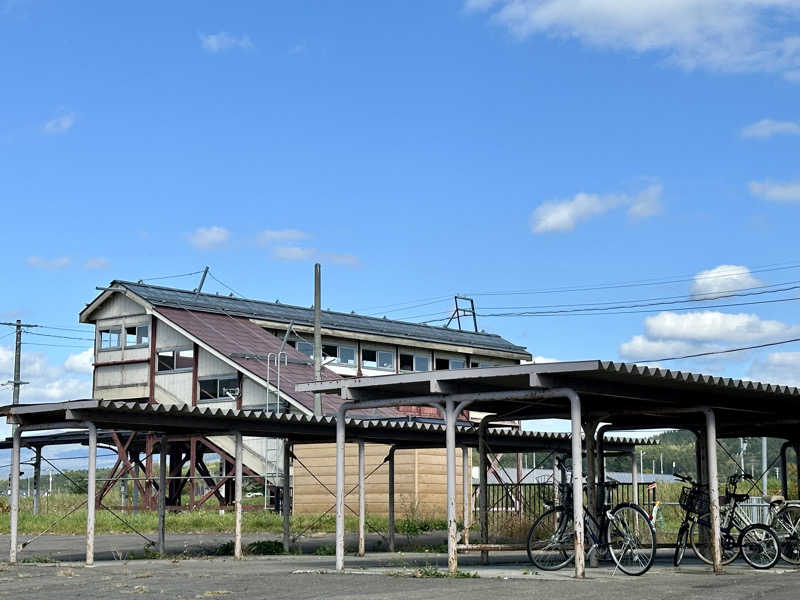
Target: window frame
[138,344]
[217,378]
[297,347]
[174,352]
[109,329]
[449,360]
[414,356]
[378,352]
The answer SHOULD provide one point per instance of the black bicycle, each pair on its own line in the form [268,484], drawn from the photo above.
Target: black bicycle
[756,542]
[624,532]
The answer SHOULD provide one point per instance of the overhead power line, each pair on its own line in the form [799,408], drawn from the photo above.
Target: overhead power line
[726,351]
[172,276]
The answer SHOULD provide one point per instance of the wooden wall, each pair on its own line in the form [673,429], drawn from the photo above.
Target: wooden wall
[420,480]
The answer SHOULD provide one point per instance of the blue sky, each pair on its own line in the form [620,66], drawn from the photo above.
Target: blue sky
[417,150]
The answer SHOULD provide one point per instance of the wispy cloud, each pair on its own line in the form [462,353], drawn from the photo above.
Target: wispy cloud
[208,238]
[60,124]
[269,236]
[97,262]
[291,253]
[51,264]
[339,258]
[564,215]
[766,128]
[717,35]
[222,41]
[299,48]
[720,280]
[784,192]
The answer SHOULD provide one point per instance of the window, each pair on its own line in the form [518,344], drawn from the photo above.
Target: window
[347,355]
[377,359]
[330,351]
[476,364]
[174,360]
[305,348]
[137,335]
[110,338]
[216,388]
[414,362]
[443,364]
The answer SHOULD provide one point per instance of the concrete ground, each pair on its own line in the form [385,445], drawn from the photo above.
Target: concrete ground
[376,576]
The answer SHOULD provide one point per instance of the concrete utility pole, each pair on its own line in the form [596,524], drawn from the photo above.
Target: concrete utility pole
[17,357]
[317,336]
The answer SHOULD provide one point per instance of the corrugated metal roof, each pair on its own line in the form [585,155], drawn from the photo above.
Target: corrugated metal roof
[283,313]
[240,340]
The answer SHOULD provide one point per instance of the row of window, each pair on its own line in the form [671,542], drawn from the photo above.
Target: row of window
[382,359]
[135,336]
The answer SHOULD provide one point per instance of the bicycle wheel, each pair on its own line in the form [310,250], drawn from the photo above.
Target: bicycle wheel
[786,523]
[680,545]
[700,538]
[760,546]
[631,539]
[551,540]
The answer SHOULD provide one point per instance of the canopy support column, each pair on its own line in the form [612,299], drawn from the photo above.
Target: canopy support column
[162,495]
[466,490]
[713,488]
[391,499]
[577,482]
[361,500]
[286,502]
[12,556]
[91,491]
[483,492]
[237,497]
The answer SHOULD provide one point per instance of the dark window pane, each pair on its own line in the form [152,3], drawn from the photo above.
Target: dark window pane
[406,362]
[305,348]
[166,361]
[329,350]
[442,364]
[347,355]
[184,359]
[369,358]
[229,387]
[386,360]
[208,389]
[143,334]
[421,363]
[458,363]
[130,336]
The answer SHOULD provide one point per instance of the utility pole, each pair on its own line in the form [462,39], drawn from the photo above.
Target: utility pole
[317,336]
[17,358]
[662,463]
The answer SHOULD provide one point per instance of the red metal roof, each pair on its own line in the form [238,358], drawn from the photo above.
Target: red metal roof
[237,336]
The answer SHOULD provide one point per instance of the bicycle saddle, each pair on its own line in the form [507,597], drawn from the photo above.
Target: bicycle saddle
[773,499]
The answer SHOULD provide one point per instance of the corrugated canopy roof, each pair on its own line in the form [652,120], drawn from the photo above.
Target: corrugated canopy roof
[283,313]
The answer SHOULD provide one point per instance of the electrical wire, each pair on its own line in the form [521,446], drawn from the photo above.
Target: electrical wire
[172,276]
[63,337]
[726,351]
[225,285]
[53,345]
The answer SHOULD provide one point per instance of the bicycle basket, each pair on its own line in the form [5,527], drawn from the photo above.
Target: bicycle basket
[694,500]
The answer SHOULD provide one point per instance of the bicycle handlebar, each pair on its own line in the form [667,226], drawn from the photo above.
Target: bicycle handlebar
[685,478]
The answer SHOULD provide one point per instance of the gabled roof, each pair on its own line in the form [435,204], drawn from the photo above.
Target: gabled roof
[243,343]
[284,313]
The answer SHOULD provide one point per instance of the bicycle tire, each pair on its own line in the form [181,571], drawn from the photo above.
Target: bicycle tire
[701,529]
[760,546]
[786,523]
[680,545]
[551,540]
[631,539]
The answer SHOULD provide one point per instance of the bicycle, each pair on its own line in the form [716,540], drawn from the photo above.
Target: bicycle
[785,521]
[625,532]
[756,542]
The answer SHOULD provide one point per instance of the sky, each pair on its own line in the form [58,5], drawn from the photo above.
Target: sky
[526,153]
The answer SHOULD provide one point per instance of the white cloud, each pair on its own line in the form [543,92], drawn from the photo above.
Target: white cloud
[293,253]
[786,192]
[717,35]
[208,238]
[48,383]
[219,42]
[720,280]
[61,124]
[268,236]
[544,359]
[766,128]
[97,262]
[80,362]
[640,347]
[782,368]
[340,258]
[564,215]
[714,326]
[37,262]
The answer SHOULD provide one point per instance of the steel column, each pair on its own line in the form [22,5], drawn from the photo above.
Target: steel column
[286,503]
[635,477]
[340,445]
[162,495]
[237,498]
[466,491]
[764,478]
[361,499]
[37,477]
[713,488]
[391,499]
[590,430]
[577,483]
[91,491]
[483,492]
[12,556]
[452,527]
[784,471]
